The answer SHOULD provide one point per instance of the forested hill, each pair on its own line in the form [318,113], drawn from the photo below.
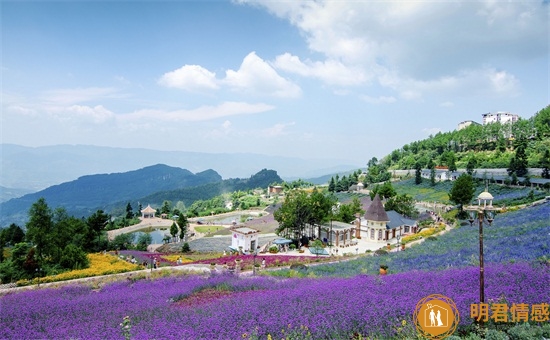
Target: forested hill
[261,179]
[486,146]
[85,195]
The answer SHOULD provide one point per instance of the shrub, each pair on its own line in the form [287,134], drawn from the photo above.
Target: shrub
[74,258]
[274,249]
[185,248]
[380,252]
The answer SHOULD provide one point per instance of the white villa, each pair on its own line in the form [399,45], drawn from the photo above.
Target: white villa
[244,239]
[499,117]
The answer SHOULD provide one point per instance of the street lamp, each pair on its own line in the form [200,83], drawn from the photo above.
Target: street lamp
[485,212]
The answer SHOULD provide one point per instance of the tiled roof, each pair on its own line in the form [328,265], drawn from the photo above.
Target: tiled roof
[398,220]
[376,211]
[148,210]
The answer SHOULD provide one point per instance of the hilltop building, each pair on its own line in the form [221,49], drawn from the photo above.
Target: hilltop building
[499,117]
[466,123]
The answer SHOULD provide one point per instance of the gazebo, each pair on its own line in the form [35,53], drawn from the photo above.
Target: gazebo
[148,212]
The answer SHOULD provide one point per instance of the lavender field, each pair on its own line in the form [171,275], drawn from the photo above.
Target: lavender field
[226,307]
[353,301]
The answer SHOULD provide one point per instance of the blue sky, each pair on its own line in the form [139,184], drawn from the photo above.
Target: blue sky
[317,79]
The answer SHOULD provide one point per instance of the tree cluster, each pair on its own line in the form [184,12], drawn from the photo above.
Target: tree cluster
[337,184]
[53,242]
[488,146]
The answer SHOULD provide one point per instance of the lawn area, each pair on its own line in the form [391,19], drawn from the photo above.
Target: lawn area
[210,229]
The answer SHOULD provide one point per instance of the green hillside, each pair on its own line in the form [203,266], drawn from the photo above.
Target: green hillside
[489,146]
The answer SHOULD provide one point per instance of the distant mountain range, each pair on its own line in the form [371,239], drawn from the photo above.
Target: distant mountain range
[32,169]
[150,185]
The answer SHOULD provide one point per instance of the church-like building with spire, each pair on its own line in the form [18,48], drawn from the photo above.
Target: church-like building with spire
[379,225]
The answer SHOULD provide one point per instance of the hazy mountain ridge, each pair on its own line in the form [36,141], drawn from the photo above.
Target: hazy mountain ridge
[36,168]
[206,191]
[89,193]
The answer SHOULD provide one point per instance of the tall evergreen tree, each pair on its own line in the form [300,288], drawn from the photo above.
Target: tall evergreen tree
[521,158]
[183,223]
[39,227]
[331,185]
[129,211]
[418,174]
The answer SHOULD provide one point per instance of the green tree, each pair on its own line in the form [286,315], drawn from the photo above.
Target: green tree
[546,164]
[293,214]
[129,211]
[74,258]
[13,234]
[521,163]
[347,212]
[472,163]
[166,207]
[462,191]
[143,241]
[331,185]
[386,190]
[403,204]
[183,224]
[97,222]
[418,174]
[173,230]
[39,227]
[542,122]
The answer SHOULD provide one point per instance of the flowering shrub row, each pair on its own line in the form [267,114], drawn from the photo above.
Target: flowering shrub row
[247,261]
[100,264]
[423,233]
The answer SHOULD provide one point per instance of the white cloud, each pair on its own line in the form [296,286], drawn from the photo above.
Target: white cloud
[330,71]
[484,81]
[379,100]
[202,113]
[226,125]
[418,42]
[97,114]
[277,130]
[67,97]
[190,78]
[256,76]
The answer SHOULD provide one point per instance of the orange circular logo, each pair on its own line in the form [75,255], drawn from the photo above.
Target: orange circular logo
[436,316]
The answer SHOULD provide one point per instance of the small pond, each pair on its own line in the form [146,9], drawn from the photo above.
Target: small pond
[157,235]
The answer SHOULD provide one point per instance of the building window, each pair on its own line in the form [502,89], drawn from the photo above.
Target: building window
[379,234]
[372,234]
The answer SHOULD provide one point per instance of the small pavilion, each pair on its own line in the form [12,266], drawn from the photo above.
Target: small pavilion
[148,212]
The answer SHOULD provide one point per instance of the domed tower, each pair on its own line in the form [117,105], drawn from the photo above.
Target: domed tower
[377,219]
